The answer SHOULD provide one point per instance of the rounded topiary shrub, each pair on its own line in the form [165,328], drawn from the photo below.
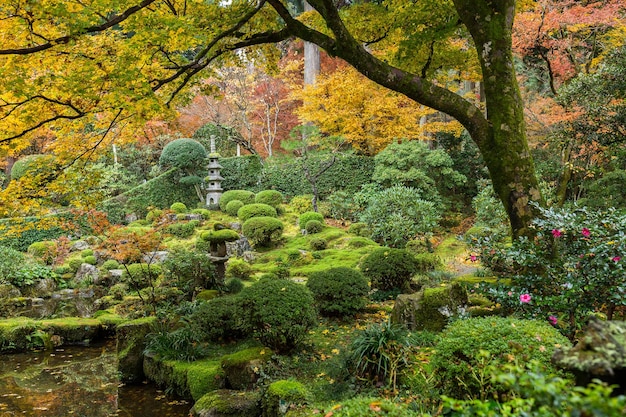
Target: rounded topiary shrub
[234,286]
[301,203]
[186,154]
[178,207]
[262,231]
[245,196]
[484,345]
[233,207]
[318,243]
[110,264]
[313,226]
[238,268]
[270,197]
[279,313]
[427,262]
[255,210]
[218,319]
[389,268]
[309,215]
[46,250]
[338,291]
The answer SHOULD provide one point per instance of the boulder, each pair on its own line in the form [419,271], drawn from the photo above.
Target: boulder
[42,288]
[430,308]
[599,354]
[228,403]
[241,369]
[156,257]
[130,348]
[86,275]
[79,245]
[9,291]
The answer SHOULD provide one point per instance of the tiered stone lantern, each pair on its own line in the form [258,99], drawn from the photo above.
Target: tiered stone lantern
[214,179]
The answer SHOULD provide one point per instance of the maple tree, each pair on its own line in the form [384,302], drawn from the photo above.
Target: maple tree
[106,61]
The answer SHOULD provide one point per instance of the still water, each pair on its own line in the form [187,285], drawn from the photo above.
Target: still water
[77,381]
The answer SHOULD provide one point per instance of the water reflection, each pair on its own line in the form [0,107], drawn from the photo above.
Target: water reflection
[76,381]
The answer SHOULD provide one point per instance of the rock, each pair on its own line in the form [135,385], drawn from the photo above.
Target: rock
[42,288]
[430,308]
[238,247]
[79,245]
[193,216]
[228,403]
[129,218]
[241,369]
[115,275]
[282,395]
[130,347]
[249,256]
[9,291]
[86,275]
[600,353]
[156,257]
[235,226]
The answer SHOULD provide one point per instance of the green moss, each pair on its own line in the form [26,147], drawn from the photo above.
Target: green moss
[281,395]
[203,377]
[220,236]
[242,357]
[207,295]
[228,403]
[241,368]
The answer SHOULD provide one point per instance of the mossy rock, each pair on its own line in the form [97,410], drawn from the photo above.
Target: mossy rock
[15,335]
[220,236]
[241,368]
[207,295]
[282,395]
[430,308]
[169,375]
[600,353]
[228,403]
[130,347]
[204,377]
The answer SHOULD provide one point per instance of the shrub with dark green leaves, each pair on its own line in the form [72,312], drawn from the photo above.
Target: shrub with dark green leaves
[318,243]
[262,231]
[185,154]
[218,319]
[338,291]
[427,262]
[469,350]
[307,216]
[182,229]
[233,207]
[360,229]
[389,269]
[10,261]
[313,226]
[188,269]
[278,312]
[238,268]
[140,275]
[270,197]
[234,286]
[255,210]
[30,272]
[245,196]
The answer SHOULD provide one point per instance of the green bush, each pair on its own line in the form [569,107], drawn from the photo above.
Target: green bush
[262,231]
[219,236]
[219,319]
[153,215]
[234,286]
[182,229]
[233,207]
[338,291]
[91,260]
[238,268]
[270,197]
[29,272]
[389,269]
[372,407]
[245,196]
[318,243]
[301,203]
[110,264]
[307,216]
[189,269]
[256,210]
[313,226]
[427,262]
[360,229]
[488,207]
[46,251]
[185,154]
[10,263]
[74,263]
[241,172]
[32,165]
[206,214]
[469,350]
[178,207]
[417,246]
[140,275]
[86,252]
[118,291]
[278,312]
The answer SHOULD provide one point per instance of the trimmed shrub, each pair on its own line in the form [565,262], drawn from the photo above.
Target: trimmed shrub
[153,215]
[220,236]
[245,196]
[318,243]
[470,350]
[241,172]
[186,154]
[110,264]
[91,260]
[389,268]
[427,262]
[262,231]
[360,229]
[189,269]
[178,207]
[233,207]
[205,213]
[278,312]
[338,291]
[218,319]
[417,246]
[270,197]
[313,226]
[182,230]
[238,268]
[46,250]
[307,216]
[256,210]
[301,203]
[234,286]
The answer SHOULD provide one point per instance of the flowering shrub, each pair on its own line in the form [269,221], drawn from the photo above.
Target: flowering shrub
[571,268]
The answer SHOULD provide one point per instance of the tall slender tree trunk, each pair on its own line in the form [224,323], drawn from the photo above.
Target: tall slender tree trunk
[311,57]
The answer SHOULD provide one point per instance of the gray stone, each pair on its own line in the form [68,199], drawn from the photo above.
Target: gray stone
[235,226]
[79,245]
[87,274]
[193,216]
[228,403]
[238,247]
[9,291]
[42,288]
[156,257]
[249,256]
[129,218]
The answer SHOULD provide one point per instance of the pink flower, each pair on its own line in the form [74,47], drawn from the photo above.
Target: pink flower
[616,258]
[510,293]
[585,232]
[473,258]
[553,320]
[524,298]
[557,233]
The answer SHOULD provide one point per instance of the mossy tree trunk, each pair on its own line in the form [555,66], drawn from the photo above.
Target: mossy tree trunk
[500,135]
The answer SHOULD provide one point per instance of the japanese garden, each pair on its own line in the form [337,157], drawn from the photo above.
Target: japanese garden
[266,208]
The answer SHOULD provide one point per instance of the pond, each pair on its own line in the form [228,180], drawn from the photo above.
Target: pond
[77,381]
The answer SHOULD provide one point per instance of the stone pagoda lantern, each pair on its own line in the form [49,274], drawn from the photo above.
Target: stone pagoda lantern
[214,180]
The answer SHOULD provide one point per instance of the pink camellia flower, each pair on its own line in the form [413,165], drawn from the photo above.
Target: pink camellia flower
[616,258]
[585,232]
[557,233]
[473,258]
[525,298]
[553,320]
[510,293]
